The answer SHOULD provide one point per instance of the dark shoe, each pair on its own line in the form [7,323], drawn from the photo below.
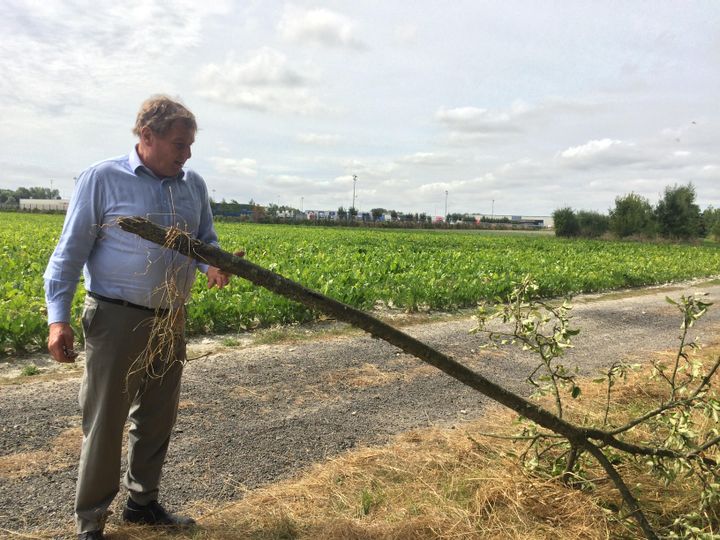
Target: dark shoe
[153,514]
[93,535]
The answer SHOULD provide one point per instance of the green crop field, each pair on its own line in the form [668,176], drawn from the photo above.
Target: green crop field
[411,270]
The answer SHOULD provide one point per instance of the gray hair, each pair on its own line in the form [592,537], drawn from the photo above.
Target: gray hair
[159,112]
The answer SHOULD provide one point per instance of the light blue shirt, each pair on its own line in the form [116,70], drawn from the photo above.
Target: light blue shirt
[119,264]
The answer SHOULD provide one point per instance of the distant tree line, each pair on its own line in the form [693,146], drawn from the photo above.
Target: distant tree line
[676,216]
[380,214]
[10,199]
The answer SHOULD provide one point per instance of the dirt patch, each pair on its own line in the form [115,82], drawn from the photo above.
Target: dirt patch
[252,415]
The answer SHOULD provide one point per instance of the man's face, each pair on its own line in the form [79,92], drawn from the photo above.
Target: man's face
[166,154]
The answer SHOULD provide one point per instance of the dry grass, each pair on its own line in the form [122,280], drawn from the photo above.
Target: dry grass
[62,454]
[428,484]
[449,484]
[64,373]
[369,375]
[333,384]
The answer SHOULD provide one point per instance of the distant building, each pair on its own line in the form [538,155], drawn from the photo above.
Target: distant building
[327,215]
[544,222]
[45,205]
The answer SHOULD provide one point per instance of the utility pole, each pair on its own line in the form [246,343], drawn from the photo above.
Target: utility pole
[492,212]
[353,204]
[302,203]
[446,195]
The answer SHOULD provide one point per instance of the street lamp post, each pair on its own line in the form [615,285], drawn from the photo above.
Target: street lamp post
[353,204]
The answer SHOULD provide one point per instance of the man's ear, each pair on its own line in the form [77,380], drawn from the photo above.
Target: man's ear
[147,136]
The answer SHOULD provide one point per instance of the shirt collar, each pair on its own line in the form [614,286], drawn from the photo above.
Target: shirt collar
[137,164]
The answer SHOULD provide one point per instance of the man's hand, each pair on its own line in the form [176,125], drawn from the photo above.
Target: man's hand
[61,342]
[218,278]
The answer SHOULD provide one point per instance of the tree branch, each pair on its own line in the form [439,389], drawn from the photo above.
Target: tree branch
[578,437]
[627,495]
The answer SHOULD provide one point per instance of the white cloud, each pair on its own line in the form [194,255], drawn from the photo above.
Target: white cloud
[396,183]
[406,33]
[58,55]
[368,169]
[319,26]
[306,184]
[589,149]
[673,134]
[320,139]
[286,180]
[264,67]
[317,92]
[525,169]
[236,167]
[263,81]
[601,153]
[427,158]
[476,121]
[458,187]
[710,174]
[470,124]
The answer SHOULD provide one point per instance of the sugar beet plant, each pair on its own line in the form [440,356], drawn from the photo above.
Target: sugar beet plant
[675,439]
[408,270]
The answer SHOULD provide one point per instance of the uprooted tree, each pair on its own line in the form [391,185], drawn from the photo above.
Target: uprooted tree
[544,329]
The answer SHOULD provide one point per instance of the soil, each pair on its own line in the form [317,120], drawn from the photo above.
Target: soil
[252,413]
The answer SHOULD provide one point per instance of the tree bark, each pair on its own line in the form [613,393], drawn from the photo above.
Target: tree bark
[214,256]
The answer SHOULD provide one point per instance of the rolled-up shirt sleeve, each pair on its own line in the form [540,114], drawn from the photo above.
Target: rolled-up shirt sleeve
[82,223]
[206,230]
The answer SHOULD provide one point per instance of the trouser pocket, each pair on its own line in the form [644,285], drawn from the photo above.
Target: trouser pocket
[88,316]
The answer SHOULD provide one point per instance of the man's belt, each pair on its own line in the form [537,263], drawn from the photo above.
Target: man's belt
[157,311]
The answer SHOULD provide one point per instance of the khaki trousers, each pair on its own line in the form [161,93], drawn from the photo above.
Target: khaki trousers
[115,336]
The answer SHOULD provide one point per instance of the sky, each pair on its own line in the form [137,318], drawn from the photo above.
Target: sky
[504,107]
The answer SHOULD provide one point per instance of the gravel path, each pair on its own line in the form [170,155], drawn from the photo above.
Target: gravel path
[255,414]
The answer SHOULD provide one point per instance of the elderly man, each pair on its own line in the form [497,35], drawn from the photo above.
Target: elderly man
[131,285]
